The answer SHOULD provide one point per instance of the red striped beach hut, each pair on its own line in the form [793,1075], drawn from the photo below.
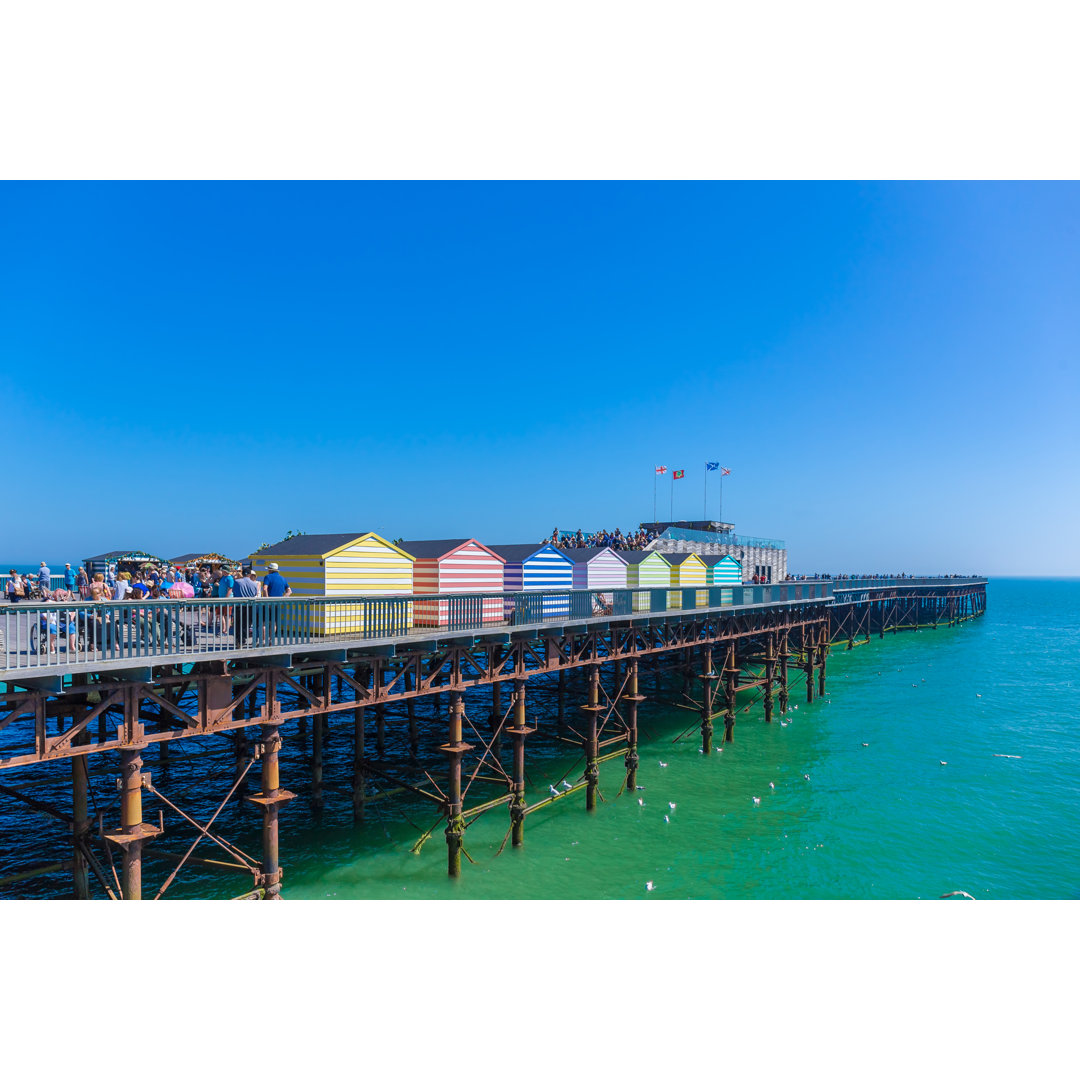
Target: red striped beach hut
[455,566]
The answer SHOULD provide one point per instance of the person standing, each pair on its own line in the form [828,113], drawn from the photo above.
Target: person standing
[44,579]
[15,588]
[82,580]
[247,589]
[223,590]
[69,578]
[275,587]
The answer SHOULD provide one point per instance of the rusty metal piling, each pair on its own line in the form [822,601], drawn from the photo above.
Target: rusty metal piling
[455,821]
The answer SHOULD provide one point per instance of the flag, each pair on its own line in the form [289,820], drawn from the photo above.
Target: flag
[712,466]
[725,472]
[661,469]
[677,474]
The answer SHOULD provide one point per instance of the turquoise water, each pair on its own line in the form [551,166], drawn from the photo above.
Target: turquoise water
[884,820]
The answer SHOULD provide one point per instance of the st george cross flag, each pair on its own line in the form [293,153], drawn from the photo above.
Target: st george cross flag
[661,469]
[677,474]
[712,466]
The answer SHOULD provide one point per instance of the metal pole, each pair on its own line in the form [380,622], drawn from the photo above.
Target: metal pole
[808,659]
[785,646]
[80,824]
[517,797]
[359,792]
[823,652]
[270,799]
[592,769]
[731,673]
[455,825]
[632,697]
[770,670]
[707,678]
[131,821]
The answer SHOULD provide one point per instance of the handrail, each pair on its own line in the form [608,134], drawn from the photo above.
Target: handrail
[40,636]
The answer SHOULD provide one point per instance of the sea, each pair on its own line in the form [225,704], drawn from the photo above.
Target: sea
[938,761]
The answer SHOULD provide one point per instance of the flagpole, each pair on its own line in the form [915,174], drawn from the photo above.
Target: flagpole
[671,507]
[654,493]
[705,506]
[721,493]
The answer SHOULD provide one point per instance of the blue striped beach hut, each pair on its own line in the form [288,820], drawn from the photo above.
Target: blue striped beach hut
[725,571]
[529,568]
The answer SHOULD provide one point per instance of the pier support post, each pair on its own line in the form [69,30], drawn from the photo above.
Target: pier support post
[270,798]
[359,785]
[592,768]
[808,658]
[632,698]
[770,671]
[707,678]
[518,731]
[823,652]
[785,647]
[133,832]
[495,719]
[380,731]
[455,823]
[317,734]
[80,819]
[731,682]
[410,708]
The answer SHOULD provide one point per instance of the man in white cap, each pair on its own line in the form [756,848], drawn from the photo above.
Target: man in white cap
[274,586]
[274,583]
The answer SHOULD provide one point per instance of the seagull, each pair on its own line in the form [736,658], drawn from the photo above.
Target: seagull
[806,776]
[638,787]
[667,819]
[641,802]
[959,892]
[671,806]
[553,789]
[783,723]
[663,764]
[771,784]
[943,763]
[649,886]
[914,686]
[719,749]
[757,801]
[566,784]
[978,695]
[866,744]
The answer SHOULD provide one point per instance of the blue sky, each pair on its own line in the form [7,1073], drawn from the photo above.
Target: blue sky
[890,371]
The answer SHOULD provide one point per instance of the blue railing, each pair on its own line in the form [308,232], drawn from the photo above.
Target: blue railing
[37,636]
[700,536]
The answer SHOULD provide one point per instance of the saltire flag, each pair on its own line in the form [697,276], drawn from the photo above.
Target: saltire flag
[677,474]
[712,466]
[725,472]
[661,469]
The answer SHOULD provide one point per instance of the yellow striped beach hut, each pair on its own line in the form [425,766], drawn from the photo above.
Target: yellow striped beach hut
[688,571]
[342,564]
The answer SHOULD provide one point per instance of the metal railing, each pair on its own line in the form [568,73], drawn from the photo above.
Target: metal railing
[700,536]
[845,584]
[38,635]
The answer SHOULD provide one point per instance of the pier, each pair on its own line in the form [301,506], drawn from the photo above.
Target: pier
[130,681]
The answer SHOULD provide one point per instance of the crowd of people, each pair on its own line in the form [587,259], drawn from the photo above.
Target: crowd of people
[154,583]
[635,541]
[89,629]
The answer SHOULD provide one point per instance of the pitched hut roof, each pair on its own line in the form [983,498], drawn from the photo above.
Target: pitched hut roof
[321,544]
[641,556]
[581,555]
[515,553]
[436,549]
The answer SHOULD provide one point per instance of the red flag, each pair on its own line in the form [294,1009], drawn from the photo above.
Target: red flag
[724,472]
[677,474]
[661,469]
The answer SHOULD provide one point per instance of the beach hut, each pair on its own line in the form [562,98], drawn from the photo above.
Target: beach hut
[646,570]
[345,564]
[528,568]
[597,567]
[455,566]
[724,570]
[688,571]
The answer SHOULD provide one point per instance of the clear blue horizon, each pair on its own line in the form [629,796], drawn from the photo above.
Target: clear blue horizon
[889,370]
